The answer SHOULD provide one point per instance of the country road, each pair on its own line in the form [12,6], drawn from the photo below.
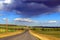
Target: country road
[24,36]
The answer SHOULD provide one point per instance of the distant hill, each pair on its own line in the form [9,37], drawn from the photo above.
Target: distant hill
[12,25]
[8,25]
[46,26]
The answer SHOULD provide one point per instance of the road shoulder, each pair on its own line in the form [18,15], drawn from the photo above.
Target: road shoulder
[10,34]
[43,37]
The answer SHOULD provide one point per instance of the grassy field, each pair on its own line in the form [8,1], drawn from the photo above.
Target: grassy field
[4,30]
[11,28]
[48,31]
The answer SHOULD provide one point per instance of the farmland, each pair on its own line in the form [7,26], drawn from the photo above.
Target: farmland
[10,28]
[48,31]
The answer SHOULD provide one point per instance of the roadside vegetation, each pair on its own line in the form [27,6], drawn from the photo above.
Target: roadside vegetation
[41,30]
[10,28]
[48,31]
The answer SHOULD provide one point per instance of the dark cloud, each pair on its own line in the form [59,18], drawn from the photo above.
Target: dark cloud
[46,2]
[31,8]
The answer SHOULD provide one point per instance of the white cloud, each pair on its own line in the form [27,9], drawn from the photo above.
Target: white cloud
[2,2]
[24,20]
[1,5]
[52,21]
[7,1]
[5,18]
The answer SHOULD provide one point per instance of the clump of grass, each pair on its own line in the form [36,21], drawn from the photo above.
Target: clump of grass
[2,31]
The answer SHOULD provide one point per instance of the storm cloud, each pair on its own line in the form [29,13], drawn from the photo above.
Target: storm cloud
[31,8]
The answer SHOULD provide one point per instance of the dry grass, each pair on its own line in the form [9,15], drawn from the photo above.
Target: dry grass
[45,37]
[10,33]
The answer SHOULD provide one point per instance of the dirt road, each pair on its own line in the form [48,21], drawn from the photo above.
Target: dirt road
[24,36]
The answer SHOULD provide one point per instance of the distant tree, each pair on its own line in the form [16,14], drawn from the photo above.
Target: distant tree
[42,29]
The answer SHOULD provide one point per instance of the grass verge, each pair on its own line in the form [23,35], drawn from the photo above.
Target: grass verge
[52,33]
[44,36]
[11,33]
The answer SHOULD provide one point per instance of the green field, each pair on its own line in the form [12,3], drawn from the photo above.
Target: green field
[4,30]
[48,31]
[11,28]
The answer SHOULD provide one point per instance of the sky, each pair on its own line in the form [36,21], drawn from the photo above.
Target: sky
[30,12]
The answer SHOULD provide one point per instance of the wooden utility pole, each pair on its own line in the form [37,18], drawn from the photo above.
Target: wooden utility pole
[6,25]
